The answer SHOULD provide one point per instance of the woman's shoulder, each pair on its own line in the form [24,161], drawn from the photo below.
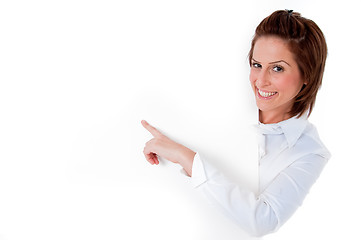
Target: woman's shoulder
[311,140]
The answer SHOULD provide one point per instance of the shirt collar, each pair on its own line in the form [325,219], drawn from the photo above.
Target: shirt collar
[292,128]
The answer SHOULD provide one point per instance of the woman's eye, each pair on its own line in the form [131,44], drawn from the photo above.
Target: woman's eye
[278,69]
[256,65]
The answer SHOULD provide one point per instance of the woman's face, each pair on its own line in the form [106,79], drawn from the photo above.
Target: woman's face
[275,78]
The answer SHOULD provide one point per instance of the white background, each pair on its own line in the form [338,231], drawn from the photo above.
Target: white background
[77,77]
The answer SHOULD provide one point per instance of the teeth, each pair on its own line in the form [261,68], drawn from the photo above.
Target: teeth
[266,94]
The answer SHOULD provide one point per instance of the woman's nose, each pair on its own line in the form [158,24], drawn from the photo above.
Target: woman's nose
[263,79]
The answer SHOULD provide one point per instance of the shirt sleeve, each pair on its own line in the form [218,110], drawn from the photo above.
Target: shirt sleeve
[264,213]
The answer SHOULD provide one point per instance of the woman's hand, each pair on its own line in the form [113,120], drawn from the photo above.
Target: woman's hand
[161,145]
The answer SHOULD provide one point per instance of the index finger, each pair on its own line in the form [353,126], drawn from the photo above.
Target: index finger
[151,129]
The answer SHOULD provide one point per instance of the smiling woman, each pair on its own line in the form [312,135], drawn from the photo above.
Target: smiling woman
[275,79]
[287,60]
[305,46]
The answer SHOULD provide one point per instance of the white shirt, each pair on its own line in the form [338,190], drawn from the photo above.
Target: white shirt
[291,157]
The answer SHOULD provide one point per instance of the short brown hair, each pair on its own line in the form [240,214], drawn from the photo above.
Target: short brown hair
[308,45]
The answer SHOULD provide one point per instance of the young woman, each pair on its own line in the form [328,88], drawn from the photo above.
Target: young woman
[287,60]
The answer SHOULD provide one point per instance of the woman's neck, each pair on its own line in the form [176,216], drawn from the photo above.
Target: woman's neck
[269,117]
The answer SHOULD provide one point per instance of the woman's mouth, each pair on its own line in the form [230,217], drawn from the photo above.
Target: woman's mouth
[265,94]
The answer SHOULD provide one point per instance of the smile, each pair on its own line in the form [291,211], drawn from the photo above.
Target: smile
[265,94]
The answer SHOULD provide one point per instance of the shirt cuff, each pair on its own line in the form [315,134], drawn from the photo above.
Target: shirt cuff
[198,172]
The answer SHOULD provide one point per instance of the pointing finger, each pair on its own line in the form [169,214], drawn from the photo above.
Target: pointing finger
[151,129]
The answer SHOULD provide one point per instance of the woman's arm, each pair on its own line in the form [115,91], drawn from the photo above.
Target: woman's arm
[264,213]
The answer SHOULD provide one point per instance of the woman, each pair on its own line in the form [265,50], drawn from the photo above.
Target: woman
[287,60]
